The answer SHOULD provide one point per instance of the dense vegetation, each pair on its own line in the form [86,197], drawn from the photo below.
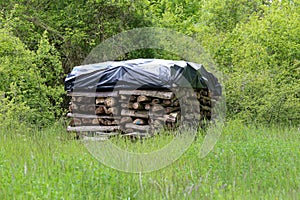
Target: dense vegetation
[255,44]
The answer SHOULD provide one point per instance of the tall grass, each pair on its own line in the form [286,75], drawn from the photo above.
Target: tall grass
[247,163]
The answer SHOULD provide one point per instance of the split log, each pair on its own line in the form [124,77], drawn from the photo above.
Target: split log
[110,102]
[143,98]
[100,100]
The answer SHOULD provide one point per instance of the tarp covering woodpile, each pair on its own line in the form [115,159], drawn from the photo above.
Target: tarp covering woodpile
[139,97]
[143,74]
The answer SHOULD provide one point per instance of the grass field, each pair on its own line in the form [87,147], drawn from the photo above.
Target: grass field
[248,162]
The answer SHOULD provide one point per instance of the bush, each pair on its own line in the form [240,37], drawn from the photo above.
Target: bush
[29,82]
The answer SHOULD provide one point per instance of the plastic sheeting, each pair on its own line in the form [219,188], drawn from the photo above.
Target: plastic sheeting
[141,74]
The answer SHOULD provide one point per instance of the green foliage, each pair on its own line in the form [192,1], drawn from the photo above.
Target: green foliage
[261,60]
[29,82]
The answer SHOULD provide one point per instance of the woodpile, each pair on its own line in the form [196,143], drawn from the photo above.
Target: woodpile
[137,112]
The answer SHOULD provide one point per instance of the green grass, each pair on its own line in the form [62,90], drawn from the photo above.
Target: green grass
[248,162]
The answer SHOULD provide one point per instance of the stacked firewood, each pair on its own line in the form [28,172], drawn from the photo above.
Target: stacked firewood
[137,112]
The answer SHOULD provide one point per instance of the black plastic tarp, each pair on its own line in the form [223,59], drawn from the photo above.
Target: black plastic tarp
[141,74]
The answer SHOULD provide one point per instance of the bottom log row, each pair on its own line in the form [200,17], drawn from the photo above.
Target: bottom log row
[140,113]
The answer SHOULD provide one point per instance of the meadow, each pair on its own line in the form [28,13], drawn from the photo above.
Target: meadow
[248,162]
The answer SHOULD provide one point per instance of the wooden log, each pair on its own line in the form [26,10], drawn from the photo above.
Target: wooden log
[151,93]
[139,121]
[143,98]
[166,102]
[171,109]
[94,94]
[172,117]
[132,98]
[100,100]
[79,115]
[125,120]
[123,97]
[205,108]
[75,122]
[93,128]
[127,105]
[87,108]
[95,121]
[112,110]
[137,106]
[115,122]
[157,123]
[134,113]
[110,102]
[155,101]
[138,127]
[73,107]
[101,110]
[147,106]
[128,130]
[176,103]
[86,121]
[157,108]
